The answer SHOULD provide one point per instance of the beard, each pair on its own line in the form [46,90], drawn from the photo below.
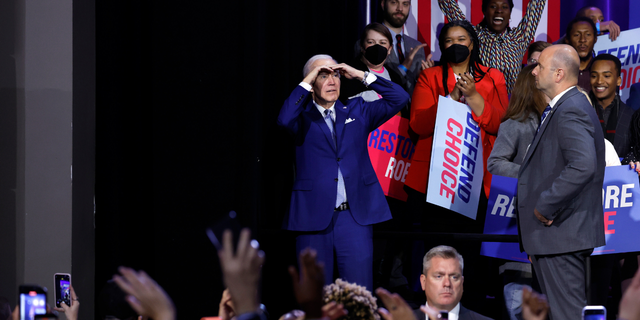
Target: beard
[393,21]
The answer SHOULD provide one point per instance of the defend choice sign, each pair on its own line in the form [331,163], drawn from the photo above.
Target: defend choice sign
[627,49]
[455,175]
[390,151]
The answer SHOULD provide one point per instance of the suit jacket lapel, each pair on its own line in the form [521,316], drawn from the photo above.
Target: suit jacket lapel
[547,120]
[341,117]
[318,118]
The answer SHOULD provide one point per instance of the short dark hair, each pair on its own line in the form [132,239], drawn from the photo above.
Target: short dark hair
[537,46]
[485,4]
[583,11]
[609,57]
[377,27]
[581,19]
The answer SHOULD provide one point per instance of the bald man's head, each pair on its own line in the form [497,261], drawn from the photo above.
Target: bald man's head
[557,69]
[567,58]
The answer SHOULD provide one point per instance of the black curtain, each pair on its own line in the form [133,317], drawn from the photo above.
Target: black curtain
[187,99]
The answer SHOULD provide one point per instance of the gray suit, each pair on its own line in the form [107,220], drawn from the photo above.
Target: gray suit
[511,145]
[411,76]
[561,176]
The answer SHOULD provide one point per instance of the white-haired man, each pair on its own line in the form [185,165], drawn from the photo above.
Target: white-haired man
[336,195]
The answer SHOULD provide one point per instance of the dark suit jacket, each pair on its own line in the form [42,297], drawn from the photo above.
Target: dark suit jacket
[317,159]
[465,314]
[621,141]
[634,96]
[561,176]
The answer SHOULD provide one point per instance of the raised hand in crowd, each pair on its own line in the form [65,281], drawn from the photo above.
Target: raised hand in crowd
[71,312]
[308,284]
[333,310]
[534,305]
[635,166]
[428,63]
[241,271]
[612,27]
[396,307]
[144,295]
[630,303]
[408,60]
[226,310]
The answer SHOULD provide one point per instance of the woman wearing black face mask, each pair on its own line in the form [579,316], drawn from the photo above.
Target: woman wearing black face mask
[460,77]
[375,46]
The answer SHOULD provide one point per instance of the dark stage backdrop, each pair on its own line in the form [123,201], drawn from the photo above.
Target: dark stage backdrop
[187,99]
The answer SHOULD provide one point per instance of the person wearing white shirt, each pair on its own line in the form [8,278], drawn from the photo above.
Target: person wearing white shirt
[442,280]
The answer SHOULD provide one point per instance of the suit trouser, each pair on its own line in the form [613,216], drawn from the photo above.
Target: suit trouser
[345,243]
[562,277]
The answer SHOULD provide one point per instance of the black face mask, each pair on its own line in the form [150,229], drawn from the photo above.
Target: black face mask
[456,53]
[376,54]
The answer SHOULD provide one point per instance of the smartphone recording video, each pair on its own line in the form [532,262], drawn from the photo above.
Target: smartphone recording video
[33,301]
[594,313]
[62,284]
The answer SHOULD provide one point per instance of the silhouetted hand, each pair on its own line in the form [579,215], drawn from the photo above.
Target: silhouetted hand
[144,295]
[241,271]
[630,302]
[333,311]
[226,310]
[308,288]
[398,308]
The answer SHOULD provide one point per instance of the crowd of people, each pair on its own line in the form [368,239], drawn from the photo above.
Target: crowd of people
[553,123]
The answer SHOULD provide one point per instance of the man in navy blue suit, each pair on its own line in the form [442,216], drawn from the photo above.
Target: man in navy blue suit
[336,195]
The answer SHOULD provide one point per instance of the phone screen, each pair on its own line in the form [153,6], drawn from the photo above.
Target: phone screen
[32,303]
[63,293]
[594,314]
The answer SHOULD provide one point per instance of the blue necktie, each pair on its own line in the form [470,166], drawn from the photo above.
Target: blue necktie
[544,115]
[341,193]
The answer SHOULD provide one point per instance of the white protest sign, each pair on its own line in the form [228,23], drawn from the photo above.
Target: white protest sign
[455,174]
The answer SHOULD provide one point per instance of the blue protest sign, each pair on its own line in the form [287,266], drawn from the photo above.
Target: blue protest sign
[621,218]
[501,219]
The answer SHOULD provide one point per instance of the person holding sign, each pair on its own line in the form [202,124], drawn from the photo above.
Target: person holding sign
[462,78]
[559,197]
[336,196]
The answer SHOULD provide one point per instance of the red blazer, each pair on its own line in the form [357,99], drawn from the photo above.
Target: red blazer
[424,105]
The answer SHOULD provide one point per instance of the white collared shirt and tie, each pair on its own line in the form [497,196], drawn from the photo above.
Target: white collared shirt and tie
[330,119]
[454,314]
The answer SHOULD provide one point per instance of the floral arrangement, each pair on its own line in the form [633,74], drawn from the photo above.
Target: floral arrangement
[357,300]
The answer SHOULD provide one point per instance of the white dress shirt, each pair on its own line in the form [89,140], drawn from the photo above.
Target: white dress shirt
[454,314]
